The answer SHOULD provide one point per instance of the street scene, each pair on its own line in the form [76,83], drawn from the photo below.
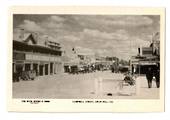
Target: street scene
[86,56]
[66,86]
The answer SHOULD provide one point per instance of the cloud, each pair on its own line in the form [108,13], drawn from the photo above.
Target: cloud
[57,18]
[136,42]
[116,20]
[52,25]
[104,52]
[117,43]
[129,21]
[71,38]
[53,22]
[50,38]
[96,34]
[115,35]
[123,49]
[84,51]
[118,35]
[31,26]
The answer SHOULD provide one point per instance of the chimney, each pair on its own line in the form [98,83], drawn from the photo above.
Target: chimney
[140,50]
[35,35]
[46,41]
[21,33]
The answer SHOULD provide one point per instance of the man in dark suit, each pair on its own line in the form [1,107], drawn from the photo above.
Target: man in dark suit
[149,77]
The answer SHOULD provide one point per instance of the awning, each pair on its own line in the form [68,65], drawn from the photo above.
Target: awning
[145,63]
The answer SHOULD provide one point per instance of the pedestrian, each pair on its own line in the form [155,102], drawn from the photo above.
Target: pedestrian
[132,69]
[157,76]
[149,76]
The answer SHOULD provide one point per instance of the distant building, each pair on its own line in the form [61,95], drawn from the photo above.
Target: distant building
[28,54]
[70,61]
[74,59]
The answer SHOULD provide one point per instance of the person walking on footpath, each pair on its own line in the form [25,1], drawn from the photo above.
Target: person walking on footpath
[149,77]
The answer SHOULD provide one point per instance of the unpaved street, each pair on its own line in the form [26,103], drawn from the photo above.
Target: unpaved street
[68,86]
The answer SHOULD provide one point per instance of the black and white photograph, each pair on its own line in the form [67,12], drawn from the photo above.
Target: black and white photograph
[81,56]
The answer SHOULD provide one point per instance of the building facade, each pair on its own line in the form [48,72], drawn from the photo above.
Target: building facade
[28,55]
[148,57]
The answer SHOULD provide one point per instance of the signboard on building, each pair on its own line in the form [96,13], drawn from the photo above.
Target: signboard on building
[37,57]
[146,51]
[18,56]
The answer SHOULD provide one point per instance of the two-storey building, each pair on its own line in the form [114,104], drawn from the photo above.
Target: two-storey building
[28,55]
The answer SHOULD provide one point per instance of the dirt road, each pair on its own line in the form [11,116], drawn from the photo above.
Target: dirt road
[66,86]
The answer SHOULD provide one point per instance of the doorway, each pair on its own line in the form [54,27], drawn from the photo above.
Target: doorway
[27,67]
[41,70]
[46,69]
[19,68]
[35,67]
[51,68]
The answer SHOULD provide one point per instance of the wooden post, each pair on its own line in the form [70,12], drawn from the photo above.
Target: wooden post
[137,86]
[38,70]
[49,69]
[43,69]
[23,69]
[14,67]
[31,65]
[53,68]
[96,87]
[100,82]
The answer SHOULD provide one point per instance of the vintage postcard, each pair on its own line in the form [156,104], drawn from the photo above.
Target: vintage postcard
[86,59]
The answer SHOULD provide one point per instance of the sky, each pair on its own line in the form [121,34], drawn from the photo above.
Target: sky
[103,35]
